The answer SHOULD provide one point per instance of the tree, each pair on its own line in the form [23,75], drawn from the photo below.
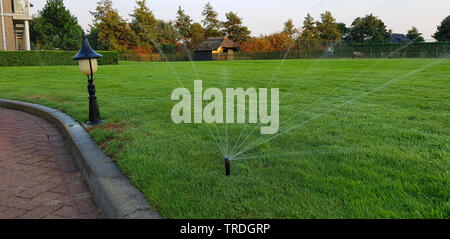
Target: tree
[414,35]
[289,29]
[257,44]
[309,29]
[443,30]
[183,23]
[167,36]
[34,31]
[56,27]
[93,39]
[279,41]
[114,33]
[344,30]
[143,24]
[234,29]
[197,34]
[210,22]
[368,29]
[328,28]
[310,34]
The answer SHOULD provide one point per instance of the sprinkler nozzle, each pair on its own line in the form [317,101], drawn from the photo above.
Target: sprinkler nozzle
[227,166]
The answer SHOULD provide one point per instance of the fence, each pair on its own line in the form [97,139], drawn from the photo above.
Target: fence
[347,50]
[223,57]
[321,49]
[406,50]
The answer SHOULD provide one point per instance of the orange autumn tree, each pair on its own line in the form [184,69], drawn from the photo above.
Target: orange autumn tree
[256,44]
[273,42]
[280,41]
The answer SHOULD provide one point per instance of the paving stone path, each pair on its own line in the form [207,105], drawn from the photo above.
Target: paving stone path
[38,178]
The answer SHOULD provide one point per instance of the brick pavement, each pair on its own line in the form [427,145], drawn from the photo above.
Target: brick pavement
[38,178]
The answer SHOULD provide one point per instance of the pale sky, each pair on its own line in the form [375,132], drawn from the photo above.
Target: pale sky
[267,16]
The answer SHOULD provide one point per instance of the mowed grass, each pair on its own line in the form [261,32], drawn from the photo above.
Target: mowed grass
[374,142]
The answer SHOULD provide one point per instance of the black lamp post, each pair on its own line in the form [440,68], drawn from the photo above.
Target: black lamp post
[87,60]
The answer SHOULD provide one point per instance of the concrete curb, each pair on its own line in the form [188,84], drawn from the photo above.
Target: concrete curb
[112,191]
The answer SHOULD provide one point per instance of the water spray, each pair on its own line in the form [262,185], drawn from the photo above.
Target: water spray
[227,166]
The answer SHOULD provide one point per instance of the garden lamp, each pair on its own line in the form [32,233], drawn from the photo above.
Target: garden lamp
[87,60]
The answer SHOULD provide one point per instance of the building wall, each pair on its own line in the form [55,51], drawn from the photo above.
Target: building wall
[9,27]
[7,6]
[203,56]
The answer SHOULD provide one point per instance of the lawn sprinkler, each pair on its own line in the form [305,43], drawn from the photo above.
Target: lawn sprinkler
[227,166]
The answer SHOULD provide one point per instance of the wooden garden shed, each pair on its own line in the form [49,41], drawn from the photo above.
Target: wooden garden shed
[215,48]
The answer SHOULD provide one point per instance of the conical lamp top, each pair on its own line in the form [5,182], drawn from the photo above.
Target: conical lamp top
[86,51]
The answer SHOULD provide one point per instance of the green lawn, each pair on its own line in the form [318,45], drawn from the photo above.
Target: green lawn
[377,144]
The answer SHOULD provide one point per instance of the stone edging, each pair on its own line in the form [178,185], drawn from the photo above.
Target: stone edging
[112,191]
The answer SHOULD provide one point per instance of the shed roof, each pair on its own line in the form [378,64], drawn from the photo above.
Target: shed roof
[214,43]
[399,38]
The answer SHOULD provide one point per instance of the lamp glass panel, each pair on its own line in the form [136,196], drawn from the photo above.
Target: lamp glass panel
[85,67]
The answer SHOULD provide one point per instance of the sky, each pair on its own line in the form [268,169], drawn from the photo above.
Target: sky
[268,16]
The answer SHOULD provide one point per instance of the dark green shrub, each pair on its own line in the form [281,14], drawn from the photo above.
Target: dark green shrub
[50,58]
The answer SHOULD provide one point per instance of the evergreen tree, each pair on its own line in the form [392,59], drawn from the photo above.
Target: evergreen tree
[143,24]
[344,30]
[183,23]
[210,22]
[197,35]
[415,35]
[289,29]
[114,33]
[234,29]
[309,29]
[34,31]
[310,34]
[368,29]
[56,28]
[101,11]
[443,30]
[93,39]
[167,36]
[328,28]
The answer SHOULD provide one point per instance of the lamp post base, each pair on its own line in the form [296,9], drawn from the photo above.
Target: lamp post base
[93,123]
[94,113]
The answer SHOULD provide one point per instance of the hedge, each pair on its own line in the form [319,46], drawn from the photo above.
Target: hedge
[50,58]
[130,56]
